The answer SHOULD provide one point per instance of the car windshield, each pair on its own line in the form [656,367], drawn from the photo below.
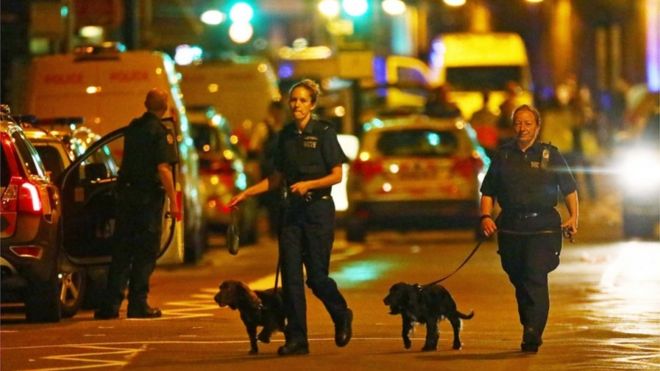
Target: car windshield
[482,78]
[418,142]
[51,159]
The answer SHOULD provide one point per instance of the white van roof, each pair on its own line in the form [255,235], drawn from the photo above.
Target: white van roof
[107,91]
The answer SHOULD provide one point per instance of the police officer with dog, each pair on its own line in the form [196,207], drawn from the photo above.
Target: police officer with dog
[144,180]
[524,179]
[308,161]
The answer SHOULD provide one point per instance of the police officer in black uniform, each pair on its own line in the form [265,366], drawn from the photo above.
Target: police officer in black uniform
[524,179]
[144,180]
[308,162]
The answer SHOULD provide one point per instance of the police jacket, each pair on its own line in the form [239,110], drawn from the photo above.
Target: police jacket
[307,155]
[147,143]
[528,181]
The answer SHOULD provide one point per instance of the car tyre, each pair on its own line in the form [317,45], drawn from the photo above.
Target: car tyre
[72,288]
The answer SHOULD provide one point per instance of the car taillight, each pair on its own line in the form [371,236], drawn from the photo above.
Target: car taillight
[22,196]
[467,167]
[27,251]
[367,169]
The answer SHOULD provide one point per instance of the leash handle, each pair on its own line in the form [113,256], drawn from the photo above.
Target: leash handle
[474,250]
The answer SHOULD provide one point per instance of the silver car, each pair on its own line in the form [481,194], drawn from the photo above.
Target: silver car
[415,171]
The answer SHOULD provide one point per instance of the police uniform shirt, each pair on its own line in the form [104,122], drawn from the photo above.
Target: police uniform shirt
[524,181]
[307,155]
[147,144]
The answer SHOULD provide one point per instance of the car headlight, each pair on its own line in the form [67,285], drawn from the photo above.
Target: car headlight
[639,170]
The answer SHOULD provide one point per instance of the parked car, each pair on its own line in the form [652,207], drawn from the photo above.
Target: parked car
[30,220]
[222,172]
[415,171]
[57,148]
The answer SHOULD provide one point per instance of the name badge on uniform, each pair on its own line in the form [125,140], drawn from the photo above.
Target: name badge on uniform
[535,164]
[310,142]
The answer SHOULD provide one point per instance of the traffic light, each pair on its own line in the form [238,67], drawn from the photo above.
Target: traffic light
[241,29]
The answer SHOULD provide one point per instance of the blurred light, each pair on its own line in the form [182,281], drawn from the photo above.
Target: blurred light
[387,187]
[91,31]
[241,33]
[213,88]
[340,111]
[64,11]
[262,67]
[93,89]
[159,71]
[355,8]
[329,8]
[634,170]
[206,148]
[241,13]
[364,156]
[215,180]
[394,7]
[186,54]
[455,2]
[285,70]
[534,1]
[394,168]
[652,45]
[213,17]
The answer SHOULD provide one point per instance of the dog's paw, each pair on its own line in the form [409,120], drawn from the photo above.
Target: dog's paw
[457,346]
[429,348]
[407,343]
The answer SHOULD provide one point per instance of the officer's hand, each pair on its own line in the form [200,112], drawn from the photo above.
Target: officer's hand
[570,226]
[233,203]
[300,188]
[488,226]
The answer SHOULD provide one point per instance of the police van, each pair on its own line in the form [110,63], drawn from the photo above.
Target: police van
[106,86]
[473,62]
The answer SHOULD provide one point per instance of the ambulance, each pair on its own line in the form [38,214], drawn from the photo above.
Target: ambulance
[474,62]
[106,86]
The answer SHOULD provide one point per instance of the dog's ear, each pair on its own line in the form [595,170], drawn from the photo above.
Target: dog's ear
[250,295]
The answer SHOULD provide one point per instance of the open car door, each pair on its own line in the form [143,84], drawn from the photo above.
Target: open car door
[89,205]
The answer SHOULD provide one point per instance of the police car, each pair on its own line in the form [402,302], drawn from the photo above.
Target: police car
[415,171]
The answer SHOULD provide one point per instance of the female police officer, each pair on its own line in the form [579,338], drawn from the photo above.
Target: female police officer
[524,178]
[308,162]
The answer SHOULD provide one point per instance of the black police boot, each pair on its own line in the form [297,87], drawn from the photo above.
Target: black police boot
[143,312]
[343,329]
[292,348]
[531,340]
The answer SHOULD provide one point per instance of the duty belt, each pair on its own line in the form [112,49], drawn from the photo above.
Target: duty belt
[524,214]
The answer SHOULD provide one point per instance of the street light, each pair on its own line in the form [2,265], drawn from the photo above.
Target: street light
[355,8]
[329,8]
[394,7]
[213,17]
[455,3]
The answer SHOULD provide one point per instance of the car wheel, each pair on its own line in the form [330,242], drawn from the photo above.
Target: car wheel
[42,302]
[72,289]
[356,230]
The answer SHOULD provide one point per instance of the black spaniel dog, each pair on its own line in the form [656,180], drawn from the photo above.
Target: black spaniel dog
[257,308]
[425,304]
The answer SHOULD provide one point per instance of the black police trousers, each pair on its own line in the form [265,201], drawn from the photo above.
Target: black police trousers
[306,237]
[138,235]
[528,259]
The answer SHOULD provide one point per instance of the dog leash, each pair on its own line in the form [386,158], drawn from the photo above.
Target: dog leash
[474,250]
[566,233]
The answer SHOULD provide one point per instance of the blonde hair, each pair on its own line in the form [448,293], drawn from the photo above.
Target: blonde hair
[310,85]
[527,107]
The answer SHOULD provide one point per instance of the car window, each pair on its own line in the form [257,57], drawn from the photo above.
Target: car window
[28,155]
[419,142]
[51,159]
[4,170]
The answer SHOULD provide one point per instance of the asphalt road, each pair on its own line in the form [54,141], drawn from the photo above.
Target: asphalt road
[605,311]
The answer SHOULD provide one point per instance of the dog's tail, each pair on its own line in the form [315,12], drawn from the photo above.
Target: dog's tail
[465,316]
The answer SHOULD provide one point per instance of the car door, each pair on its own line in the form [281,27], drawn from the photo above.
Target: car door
[89,205]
